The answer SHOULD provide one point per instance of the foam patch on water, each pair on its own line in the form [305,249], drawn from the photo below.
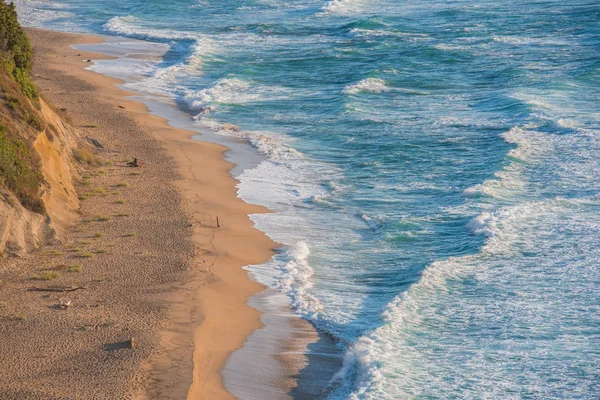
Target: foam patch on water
[232,91]
[382,33]
[343,6]
[133,26]
[451,47]
[531,146]
[372,85]
[39,14]
[267,143]
[522,40]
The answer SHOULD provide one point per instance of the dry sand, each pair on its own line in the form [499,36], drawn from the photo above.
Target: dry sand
[177,286]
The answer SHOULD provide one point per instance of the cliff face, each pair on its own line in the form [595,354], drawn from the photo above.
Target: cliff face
[37,199]
[22,228]
[53,146]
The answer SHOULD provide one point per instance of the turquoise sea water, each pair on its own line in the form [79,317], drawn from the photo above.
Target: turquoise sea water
[432,167]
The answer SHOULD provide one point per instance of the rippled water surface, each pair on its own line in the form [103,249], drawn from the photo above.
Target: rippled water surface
[433,167]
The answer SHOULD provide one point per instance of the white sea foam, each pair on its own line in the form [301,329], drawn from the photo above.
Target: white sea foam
[343,6]
[368,33]
[395,360]
[267,143]
[545,102]
[398,360]
[509,182]
[232,91]
[521,40]
[568,123]
[296,281]
[450,47]
[133,26]
[39,13]
[365,356]
[373,85]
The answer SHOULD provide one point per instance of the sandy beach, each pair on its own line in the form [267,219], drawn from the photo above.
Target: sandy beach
[154,263]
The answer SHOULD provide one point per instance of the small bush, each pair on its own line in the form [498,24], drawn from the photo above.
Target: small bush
[86,156]
[121,201]
[122,184]
[102,218]
[47,276]
[98,235]
[75,268]
[101,251]
[129,235]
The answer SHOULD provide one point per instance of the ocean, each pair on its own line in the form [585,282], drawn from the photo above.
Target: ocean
[432,168]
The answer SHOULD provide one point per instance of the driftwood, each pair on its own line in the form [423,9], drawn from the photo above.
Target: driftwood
[59,289]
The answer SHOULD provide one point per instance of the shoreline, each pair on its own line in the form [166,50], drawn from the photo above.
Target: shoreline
[226,318]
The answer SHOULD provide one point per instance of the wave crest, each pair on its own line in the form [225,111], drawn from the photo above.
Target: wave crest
[297,283]
[373,85]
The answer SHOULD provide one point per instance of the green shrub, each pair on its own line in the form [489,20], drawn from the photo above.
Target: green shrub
[28,88]
[18,171]
[16,50]
[86,156]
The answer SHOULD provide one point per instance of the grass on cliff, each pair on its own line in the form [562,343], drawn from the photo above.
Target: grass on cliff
[20,121]
[19,170]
